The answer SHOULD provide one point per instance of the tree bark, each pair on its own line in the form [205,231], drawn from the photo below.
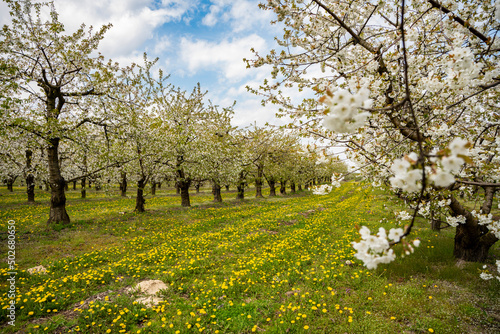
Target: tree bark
[216,188]
[66,186]
[58,212]
[10,184]
[292,187]
[272,187]
[472,241]
[123,184]
[300,187]
[185,202]
[139,199]
[184,184]
[74,185]
[153,188]
[258,181]
[435,223]
[240,186]
[227,187]
[197,187]
[283,187]
[177,187]
[84,189]
[30,179]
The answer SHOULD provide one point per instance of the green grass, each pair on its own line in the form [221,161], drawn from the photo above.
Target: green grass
[264,265]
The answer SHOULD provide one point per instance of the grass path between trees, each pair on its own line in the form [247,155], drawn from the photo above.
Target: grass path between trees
[274,265]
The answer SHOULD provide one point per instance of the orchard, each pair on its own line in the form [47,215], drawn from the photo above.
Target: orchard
[393,139]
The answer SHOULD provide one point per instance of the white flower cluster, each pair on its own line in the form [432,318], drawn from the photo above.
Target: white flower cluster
[404,178]
[493,226]
[454,221]
[322,189]
[327,188]
[403,215]
[487,276]
[482,219]
[407,179]
[343,110]
[375,249]
[461,67]
[336,180]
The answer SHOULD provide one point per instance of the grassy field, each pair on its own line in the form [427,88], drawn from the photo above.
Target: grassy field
[277,265]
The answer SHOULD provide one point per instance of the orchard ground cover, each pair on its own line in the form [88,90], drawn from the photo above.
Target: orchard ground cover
[275,265]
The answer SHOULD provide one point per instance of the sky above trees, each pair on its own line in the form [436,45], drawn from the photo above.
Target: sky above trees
[196,40]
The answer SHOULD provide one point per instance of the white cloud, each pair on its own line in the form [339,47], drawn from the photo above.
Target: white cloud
[225,56]
[134,21]
[241,15]
[211,18]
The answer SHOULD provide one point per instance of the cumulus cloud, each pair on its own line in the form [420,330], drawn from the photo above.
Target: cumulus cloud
[134,21]
[241,15]
[225,56]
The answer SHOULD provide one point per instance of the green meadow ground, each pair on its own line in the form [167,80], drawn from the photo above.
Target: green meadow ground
[270,265]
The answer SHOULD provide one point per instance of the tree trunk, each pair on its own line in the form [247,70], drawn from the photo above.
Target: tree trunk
[472,241]
[185,202]
[153,188]
[10,184]
[435,223]
[47,186]
[184,184]
[272,188]
[292,187]
[306,186]
[66,186]
[74,185]
[139,200]
[58,212]
[30,179]
[227,187]
[98,184]
[197,187]
[300,187]
[177,187]
[240,186]
[159,185]
[123,184]
[283,187]
[258,181]
[469,246]
[216,191]
[84,189]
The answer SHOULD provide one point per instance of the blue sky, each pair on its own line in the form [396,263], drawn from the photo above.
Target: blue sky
[196,40]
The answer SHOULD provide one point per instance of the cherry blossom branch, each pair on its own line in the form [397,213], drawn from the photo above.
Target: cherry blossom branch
[457,19]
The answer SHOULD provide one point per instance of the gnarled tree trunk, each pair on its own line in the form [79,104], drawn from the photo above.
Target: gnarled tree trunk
[184,184]
[473,241]
[139,199]
[283,187]
[58,212]
[272,187]
[123,184]
[84,189]
[30,179]
[216,191]
[240,186]
[258,181]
